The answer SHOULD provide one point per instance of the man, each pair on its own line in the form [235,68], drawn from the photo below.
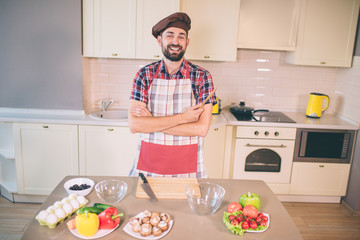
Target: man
[165,107]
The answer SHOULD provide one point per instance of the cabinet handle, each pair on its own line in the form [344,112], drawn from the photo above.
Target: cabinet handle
[321,166]
[45,126]
[322,62]
[206,56]
[156,56]
[216,129]
[110,129]
[114,54]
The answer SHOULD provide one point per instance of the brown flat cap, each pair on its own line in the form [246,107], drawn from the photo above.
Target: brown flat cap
[179,20]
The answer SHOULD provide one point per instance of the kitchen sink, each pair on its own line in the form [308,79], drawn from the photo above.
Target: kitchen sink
[111,115]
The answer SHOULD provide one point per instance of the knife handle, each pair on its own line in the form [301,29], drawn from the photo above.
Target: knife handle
[143,178]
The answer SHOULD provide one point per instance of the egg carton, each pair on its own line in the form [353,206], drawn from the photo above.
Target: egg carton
[61,210]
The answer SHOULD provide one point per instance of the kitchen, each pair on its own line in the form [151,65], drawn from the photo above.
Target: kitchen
[260,77]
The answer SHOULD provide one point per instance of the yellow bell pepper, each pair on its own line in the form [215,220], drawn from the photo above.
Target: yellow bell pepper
[87,223]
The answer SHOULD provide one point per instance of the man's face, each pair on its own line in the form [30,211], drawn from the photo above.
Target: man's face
[173,42]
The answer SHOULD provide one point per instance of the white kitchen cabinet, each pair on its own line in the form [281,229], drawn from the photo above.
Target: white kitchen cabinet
[328,179]
[268,24]
[122,28]
[214,29]
[214,149]
[109,28]
[326,33]
[44,155]
[106,150]
[148,14]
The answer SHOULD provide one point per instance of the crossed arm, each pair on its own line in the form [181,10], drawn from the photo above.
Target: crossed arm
[195,121]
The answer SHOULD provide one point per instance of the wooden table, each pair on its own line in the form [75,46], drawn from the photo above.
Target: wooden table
[187,225]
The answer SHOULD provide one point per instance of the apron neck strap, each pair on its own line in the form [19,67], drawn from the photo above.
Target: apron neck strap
[186,66]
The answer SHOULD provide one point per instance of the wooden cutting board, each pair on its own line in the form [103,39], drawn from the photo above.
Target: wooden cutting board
[166,188]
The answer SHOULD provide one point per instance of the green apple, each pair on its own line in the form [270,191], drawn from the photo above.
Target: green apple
[250,198]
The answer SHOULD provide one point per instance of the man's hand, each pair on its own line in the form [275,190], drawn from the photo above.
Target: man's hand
[193,113]
[140,111]
[194,121]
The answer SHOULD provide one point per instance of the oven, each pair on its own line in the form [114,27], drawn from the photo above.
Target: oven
[264,153]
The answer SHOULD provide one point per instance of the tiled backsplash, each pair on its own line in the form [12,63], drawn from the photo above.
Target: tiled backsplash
[261,78]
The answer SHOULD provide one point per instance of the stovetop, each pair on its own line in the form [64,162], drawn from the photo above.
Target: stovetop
[277,117]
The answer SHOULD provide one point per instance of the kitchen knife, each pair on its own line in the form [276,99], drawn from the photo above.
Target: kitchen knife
[146,186]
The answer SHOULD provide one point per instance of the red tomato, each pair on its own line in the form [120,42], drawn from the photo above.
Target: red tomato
[234,207]
[253,225]
[265,218]
[234,222]
[245,225]
[263,223]
[260,214]
[258,219]
[240,217]
[250,211]
[231,217]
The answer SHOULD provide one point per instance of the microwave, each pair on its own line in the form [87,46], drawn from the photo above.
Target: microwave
[324,145]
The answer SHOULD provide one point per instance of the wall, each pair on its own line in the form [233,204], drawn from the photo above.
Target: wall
[40,54]
[348,87]
[261,78]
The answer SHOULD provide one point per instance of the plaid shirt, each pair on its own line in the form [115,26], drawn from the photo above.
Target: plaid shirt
[201,81]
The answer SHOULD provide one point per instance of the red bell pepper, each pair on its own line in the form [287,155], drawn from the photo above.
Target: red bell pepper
[109,218]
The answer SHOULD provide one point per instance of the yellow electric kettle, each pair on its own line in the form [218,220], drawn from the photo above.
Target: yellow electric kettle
[316,104]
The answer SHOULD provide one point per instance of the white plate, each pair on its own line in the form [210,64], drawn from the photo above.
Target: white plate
[100,233]
[128,230]
[267,225]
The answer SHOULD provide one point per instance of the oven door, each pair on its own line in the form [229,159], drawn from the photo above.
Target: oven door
[263,159]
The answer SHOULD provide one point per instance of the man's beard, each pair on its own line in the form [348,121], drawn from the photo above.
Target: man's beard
[174,57]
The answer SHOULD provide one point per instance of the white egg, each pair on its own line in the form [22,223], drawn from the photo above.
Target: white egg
[58,204]
[42,215]
[51,218]
[65,200]
[75,204]
[50,209]
[81,200]
[67,208]
[60,213]
[72,196]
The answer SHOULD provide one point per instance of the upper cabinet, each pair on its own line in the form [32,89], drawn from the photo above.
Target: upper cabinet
[268,24]
[109,28]
[122,28]
[149,12]
[326,33]
[214,29]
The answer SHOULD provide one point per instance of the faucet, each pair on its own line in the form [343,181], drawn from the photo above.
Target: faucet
[105,103]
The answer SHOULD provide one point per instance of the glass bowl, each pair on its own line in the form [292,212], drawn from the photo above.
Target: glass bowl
[111,191]
[79,181]
[205,198]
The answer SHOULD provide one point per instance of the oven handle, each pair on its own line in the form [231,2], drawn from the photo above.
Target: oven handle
[269,146]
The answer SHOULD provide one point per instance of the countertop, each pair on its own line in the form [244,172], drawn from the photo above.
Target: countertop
[327,121]
[187,225]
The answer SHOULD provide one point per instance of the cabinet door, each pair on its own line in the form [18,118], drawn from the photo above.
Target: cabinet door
[214,29]
[319,179]
[326,33]
[268,24]
[214,148]
[148,14]
[109,28]
[106,151]
[45,154]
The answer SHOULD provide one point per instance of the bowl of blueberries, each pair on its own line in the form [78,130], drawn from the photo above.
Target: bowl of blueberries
[79,186]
